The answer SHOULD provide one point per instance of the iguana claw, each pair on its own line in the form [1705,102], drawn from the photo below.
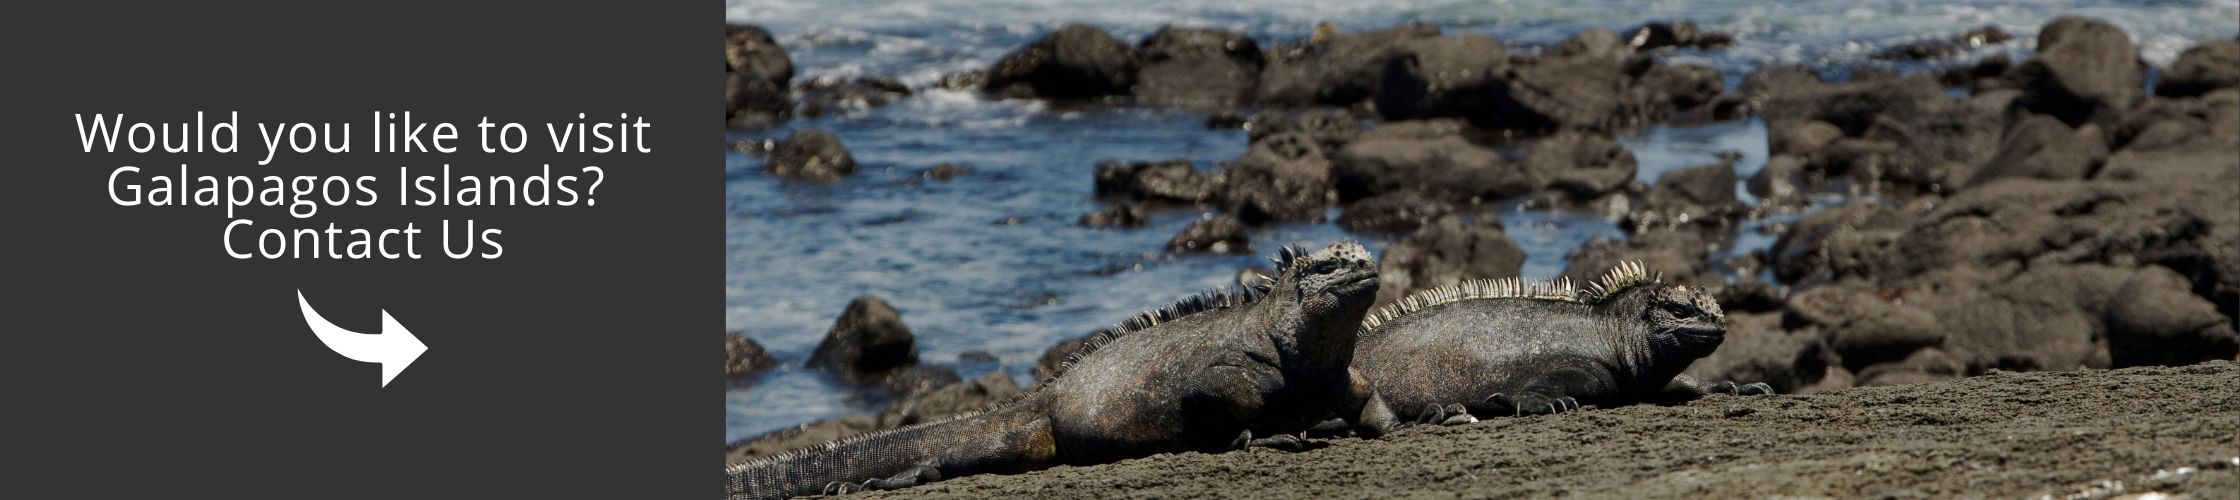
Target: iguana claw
[1529,403]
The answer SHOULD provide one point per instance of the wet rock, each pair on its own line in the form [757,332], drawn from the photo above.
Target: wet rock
[2177,223]
[946,171]
[2044,148]
[799,437]
[1757,349]
[1977,38]
[811,155]
[756,76]
[1681,256]
[742,357]
[1751,295]
[1586,91]
[1684,86]
[2203,68]
[1936,149]
[1430,157]
[1779,179]
[916,380]
[962,81]
[2060,317]
[1057,356]
[1212,234]
[1075,62]
[1330,128]
[1839,242]
[1122,215]
[1583,164]
[1442,77]
[1445,252]
[1986,74]
[949,400]
[1283,177]
[1806,138]
[1398,212]
[1654,36]
[1789,97]
[1336,69]
[1170,181]
[1226,120]
[2086,70]
[1197,68]
[1689,198]
[1863,327]
[2157,320]
[977,356]
[826,96]
[867,344]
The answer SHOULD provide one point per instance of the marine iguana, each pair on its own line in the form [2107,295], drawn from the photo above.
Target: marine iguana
[1207,373]
[1511,347]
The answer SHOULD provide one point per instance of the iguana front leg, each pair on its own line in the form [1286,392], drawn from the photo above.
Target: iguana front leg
[1029,447]
[1684,388]
[1365,409]
[1558,384]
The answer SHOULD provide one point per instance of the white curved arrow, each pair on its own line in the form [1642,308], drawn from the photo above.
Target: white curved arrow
[394,347]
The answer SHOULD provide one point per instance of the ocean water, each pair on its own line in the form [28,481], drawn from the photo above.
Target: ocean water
[993,261]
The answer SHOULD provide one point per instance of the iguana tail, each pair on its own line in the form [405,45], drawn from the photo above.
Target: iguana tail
[936,447]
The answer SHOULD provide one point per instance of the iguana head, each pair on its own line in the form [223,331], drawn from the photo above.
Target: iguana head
[1326,294]
[1339,279]
[1683,322]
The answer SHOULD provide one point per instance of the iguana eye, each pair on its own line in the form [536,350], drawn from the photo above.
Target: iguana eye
[1679,310]
[1325,267]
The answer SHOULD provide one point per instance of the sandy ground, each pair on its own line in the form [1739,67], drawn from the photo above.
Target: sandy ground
[2088,434]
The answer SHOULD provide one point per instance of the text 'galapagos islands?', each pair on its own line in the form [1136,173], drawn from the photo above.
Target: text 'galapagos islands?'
[304,193]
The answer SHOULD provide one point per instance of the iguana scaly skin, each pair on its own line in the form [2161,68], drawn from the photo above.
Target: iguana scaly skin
[1206,374]
[1510,347]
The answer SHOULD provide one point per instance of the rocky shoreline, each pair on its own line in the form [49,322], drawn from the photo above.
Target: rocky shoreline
[2052,213]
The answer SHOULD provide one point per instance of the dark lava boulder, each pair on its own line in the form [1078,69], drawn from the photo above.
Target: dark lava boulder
[1683,86]
[1212,234]
[1197,68]
[742,357]
[756,73]
[1449,76]
[1075,62]
[2203,68]
[1580,163]
[1431,157]
[1397,212]
[867,344]
[1973,39]
[1331,128]
[1592,90]
[1446,252]
[1694,197]
[949,400]
[828,96]
[1171,180]
[2086,70]
[1122,215]
[1681,256]
[1283,177]
[811,155]
[1839,242]
[1790,96]
[1334,69]
[1654,36]
[2043,147]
